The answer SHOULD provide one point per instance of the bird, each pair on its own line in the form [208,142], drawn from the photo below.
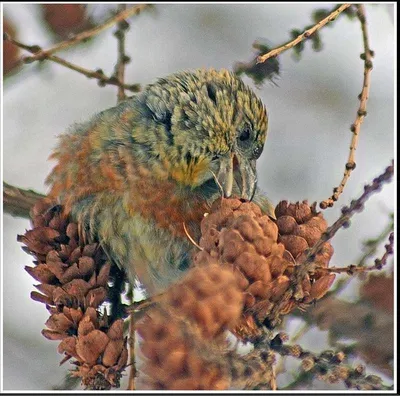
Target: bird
[139,177]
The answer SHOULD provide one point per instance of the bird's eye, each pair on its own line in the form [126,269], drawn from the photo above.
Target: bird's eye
[215,158]
[245,134]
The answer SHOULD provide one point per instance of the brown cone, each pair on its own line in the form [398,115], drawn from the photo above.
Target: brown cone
[183,338]
[237,235]
[11,52]
[300,227]
[73,283]
[66,19]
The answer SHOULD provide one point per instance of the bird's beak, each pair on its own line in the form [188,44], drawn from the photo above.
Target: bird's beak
[246,177]
[225,175]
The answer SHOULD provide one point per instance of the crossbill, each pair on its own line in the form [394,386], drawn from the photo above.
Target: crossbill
[138,177]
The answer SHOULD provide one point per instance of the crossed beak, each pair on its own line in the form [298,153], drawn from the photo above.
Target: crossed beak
[236,168]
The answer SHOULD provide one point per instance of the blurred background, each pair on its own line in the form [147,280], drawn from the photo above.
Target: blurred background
[311,106]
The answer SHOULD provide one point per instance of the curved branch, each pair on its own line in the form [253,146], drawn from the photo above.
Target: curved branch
[306,34]
[361,112]
[17,201]
[43,54]
[122,57]
[356,205]
[97,74]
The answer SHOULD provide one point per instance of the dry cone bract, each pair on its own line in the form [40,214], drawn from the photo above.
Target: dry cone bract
[73,284]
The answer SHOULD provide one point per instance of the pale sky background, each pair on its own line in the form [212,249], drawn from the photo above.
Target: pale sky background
[310,112]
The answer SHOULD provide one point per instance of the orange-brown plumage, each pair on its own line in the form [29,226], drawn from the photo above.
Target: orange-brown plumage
[134,174]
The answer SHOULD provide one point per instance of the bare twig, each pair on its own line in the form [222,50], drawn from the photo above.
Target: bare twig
[306,34]
[307,265]
[122,58]
[98,74]
[370,247]
[354,269]
[328,366]
[379,262]
[347,212]
[43,54]
[18,202]
[361,112]
[302,330]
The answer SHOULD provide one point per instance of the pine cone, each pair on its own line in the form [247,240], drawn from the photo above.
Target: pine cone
[73,284]
[66,19]
[237,235]
[99,349]
[378,290]
[183,337]
[11,52]
[300,227]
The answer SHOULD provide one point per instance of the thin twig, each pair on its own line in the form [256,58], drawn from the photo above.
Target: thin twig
[43,54]
[17,201]
[370,246]
[347,212]
[329,366]
[307,265]
[353,269]
[301,331]
[122,58]
[306,34]
[361,112]
[98,74]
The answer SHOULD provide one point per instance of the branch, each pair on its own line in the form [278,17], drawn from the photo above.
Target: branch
[364,321]
[328,366]
[18,202]
[354,269]
[44,54]
[370,247]
[347,212]
[307,265]
[98,74]
[361,112]
[122,58]
[306,34]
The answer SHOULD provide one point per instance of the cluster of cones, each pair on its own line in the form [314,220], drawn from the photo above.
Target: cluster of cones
[182,338]
[263,253]
[73,283]
[242,279]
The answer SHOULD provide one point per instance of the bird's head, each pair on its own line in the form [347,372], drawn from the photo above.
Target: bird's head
[203,125]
